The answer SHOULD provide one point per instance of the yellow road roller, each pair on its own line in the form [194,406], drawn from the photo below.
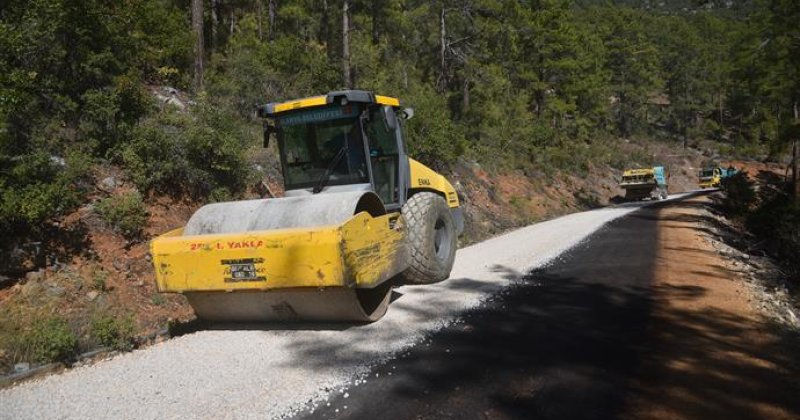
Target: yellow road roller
[645,183]
[357,216]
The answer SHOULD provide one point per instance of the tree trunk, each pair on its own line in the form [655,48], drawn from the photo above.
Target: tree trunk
[260,13]
[795,152]
[465,96]
[442,51]
[199,51]
[273,14]
[322,36]
[346,77]
[376,13]
[212,43]
[539,92]
[623,117]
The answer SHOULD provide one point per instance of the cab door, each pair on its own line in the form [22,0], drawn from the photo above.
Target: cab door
[386,154]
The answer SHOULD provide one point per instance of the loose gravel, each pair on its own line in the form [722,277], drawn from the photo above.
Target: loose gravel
[274,373]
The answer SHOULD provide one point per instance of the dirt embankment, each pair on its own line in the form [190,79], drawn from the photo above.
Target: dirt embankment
[715,352]
[499,201]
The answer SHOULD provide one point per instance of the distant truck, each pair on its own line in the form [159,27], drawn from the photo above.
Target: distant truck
[645,183]
[711,177]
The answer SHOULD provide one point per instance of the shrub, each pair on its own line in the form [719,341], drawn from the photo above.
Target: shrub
[116,333]
[50,340]
[109,113]
[125,213]
[37,187]
[175,153]
[777,219]
[739,193]
[432,137]
[158,299]
[99,280]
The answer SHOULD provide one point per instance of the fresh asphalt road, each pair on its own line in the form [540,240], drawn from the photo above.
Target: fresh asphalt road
[562,343]
[574,324]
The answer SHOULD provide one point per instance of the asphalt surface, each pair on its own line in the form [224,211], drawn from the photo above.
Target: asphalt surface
[564,342]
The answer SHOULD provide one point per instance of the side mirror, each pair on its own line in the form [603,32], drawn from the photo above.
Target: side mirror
[407,113]
[268,131]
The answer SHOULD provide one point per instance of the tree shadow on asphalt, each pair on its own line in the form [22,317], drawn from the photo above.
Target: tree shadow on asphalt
[575,340]
[562,342]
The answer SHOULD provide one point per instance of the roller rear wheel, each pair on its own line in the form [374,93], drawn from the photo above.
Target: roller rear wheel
[432,239]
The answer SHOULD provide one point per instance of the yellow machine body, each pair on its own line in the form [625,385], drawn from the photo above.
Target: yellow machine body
[424,178]
[362,252]
[713,181]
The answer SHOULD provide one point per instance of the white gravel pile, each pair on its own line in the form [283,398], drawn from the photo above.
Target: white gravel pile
[275,373]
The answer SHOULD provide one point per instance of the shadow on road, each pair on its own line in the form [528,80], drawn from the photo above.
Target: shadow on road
[572,341]
[562,343]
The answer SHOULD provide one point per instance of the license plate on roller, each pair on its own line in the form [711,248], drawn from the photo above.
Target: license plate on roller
[246,269]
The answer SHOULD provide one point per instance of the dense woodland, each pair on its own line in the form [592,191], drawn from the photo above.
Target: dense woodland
[542,85]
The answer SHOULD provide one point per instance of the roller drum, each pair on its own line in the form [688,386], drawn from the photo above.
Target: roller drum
[337,304]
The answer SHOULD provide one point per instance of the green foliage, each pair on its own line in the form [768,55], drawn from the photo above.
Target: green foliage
[432,139]
[50,340]
[37,186]
[71,90]
[109,114]
[739,193]
[777,220]
[114,332]
[158,299]
[631,60]
[172,152]
[254,71]
[125,213]
[99,278]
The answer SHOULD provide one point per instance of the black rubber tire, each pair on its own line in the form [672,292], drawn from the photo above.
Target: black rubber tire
[432,239]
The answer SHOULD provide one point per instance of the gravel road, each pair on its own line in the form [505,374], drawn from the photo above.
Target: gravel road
[274,373]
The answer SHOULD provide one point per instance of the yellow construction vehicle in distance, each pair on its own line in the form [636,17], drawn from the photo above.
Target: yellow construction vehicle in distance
[645,183]
[357,214]
[712,176]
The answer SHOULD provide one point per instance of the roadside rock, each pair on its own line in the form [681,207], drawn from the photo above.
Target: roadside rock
[793,318]
[58,161]
[108,184]
[767,284]
[34,276]
[56,291]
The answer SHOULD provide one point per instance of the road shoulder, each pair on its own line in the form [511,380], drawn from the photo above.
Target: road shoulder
[712,353]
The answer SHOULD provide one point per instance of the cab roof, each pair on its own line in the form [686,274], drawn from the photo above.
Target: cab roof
[273,109]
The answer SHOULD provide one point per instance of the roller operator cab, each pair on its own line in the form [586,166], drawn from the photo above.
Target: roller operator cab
[358,214]
[351,141]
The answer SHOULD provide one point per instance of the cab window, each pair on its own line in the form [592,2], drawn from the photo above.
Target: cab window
[384,155]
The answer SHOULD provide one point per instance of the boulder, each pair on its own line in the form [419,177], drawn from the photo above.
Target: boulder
[108,184]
